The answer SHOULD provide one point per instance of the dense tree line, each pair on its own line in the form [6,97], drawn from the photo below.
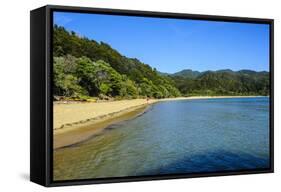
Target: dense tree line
[85,68]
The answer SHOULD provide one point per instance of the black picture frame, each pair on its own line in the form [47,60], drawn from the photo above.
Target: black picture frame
[41,131]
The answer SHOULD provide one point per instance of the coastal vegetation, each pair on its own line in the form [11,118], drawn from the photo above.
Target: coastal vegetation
[85,68]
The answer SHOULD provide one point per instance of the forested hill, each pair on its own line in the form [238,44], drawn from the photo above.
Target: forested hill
[222,82]
[86,68]
[187,73]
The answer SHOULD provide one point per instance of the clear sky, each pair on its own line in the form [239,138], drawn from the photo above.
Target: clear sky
[171,45]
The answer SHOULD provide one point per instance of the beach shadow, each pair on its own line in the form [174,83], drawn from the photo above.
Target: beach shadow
[24,176]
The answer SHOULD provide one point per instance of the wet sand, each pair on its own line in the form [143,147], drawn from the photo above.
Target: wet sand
[77,122]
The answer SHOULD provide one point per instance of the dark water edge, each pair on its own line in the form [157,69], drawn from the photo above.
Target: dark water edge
[209,135]
[212,162]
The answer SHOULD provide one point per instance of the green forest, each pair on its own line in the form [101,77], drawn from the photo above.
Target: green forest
[84,68]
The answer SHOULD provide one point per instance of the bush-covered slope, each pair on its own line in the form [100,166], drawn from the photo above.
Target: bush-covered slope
[102,71]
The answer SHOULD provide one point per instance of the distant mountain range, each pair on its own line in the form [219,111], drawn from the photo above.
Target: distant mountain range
[222,82]
[188,73]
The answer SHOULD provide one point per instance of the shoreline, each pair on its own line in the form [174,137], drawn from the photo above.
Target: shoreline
[80,133]
[70,128]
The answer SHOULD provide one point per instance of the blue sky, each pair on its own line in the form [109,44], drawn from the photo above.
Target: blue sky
[171,45]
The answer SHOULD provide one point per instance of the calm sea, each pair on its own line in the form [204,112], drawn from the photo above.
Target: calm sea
[187,136]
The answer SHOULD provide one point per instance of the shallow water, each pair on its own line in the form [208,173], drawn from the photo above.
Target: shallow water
[185,136]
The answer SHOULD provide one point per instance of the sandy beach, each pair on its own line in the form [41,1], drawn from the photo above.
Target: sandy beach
[75,122]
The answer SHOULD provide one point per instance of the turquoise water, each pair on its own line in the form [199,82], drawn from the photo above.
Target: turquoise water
[187,136]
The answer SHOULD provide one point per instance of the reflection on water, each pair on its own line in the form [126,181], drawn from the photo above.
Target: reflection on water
[184,136]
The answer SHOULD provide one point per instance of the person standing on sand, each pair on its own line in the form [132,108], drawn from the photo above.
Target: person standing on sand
[147,99]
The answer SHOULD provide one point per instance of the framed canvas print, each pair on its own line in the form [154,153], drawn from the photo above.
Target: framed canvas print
[122,95]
